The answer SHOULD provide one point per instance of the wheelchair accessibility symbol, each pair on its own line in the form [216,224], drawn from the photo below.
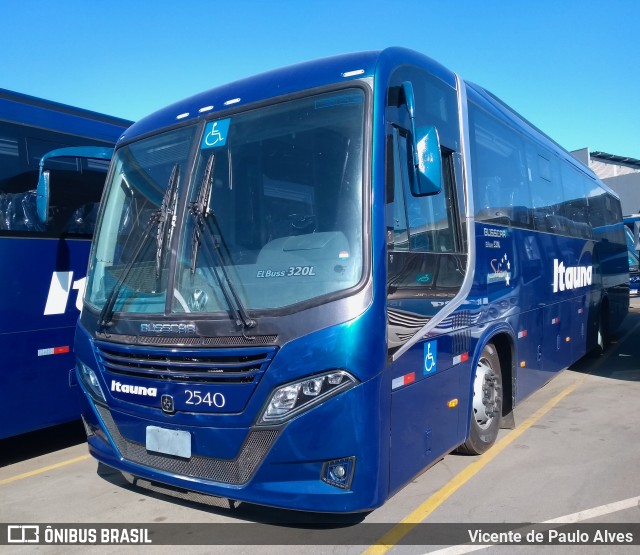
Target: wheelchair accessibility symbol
[430,357]
[215,134]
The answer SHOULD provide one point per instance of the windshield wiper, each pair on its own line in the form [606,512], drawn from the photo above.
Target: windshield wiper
[159,218]
[167,218]
[201,211]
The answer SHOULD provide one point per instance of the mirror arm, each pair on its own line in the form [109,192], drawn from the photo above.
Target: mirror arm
[43,193]
[410,102]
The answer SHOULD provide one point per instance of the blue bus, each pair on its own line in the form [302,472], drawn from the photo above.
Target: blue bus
[632,230]
[44,262]
[308,286]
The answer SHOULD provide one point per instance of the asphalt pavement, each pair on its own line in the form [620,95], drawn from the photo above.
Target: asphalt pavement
[573,457]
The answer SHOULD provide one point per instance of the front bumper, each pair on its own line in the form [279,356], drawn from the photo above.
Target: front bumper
[280,466]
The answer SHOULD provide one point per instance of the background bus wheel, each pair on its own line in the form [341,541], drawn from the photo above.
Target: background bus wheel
[600,342]
[601,336]
[487,404]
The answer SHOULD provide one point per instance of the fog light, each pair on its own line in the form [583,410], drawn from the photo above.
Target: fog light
[339,473]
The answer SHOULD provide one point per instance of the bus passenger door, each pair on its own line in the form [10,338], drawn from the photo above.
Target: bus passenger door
[426,265]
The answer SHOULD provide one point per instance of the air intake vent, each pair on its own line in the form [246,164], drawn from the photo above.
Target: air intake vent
[186,365]
[218,341]
[236,471]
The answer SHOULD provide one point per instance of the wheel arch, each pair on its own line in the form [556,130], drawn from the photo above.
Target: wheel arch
[503,339]
[505,346]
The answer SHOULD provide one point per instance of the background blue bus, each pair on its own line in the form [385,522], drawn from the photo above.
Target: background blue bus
[308,286]
[44,264]
[632,231]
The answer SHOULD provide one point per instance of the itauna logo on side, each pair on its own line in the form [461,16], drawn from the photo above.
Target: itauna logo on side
[571,277]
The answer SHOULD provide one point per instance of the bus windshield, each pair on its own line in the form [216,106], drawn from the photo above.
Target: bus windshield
[272,212]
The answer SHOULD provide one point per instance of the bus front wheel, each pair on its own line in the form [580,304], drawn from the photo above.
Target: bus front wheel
[487,403]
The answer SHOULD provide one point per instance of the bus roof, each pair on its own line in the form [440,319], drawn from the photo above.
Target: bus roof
[498,108]
[283,81]
[328,71]
[39,112]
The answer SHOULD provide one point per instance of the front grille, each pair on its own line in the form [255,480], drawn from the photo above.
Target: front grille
[218,341]
[201,366]
[187,495]
[233,472]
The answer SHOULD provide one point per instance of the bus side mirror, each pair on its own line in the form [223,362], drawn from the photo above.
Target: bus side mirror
[428,173]
[426,151]
[43,194]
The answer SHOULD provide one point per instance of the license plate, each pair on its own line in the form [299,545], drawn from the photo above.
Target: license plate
[169,442]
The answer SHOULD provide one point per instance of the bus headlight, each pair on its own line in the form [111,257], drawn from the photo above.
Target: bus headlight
[292,399]
[90,381]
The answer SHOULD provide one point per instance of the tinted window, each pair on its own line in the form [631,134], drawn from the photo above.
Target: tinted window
[436,104]
[420,224]
[423,233]
[500,176]
[575,206]
[546,190]
[76,184]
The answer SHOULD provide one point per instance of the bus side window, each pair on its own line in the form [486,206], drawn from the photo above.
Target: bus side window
[575,207]
[396,214]
[83,219]
[420,224]
[18,212]
[501,192]
[75,195]
[425,243]
[547,193]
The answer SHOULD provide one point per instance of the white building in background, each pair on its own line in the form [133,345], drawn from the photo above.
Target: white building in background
[620,173]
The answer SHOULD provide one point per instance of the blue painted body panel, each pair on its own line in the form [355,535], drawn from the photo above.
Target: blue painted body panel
[35,387]
[292,467]
[37,378]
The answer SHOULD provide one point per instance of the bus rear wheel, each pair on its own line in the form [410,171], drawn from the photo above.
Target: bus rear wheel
[601,333]
[487,403]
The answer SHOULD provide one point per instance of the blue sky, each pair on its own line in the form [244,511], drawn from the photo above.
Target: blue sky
[572,67]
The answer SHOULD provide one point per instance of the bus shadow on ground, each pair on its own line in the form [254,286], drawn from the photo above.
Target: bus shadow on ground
[35,444]
[621,359]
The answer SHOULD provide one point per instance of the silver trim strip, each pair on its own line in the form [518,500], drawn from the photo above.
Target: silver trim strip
[467,183]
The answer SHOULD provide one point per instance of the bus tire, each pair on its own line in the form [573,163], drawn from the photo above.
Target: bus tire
[486,410]
[601,333]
